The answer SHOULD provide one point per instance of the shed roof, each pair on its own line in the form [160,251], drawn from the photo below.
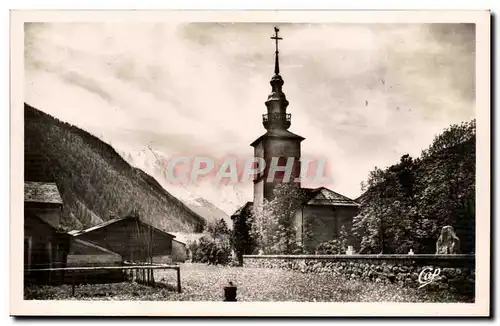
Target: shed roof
[76,233]
[41,192]
[129,237]
[96,227]
[82,247]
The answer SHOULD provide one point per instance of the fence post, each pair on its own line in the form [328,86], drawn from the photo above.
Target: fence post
[73,286]
[178,279]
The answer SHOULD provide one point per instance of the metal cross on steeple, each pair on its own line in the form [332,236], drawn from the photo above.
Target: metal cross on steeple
[276,38]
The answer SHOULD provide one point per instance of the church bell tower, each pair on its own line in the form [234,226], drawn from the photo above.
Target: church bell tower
[278,147]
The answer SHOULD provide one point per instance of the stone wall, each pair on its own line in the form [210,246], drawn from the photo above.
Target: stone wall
[455,273]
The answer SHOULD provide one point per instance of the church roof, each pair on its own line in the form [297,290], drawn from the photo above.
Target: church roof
[316,196]
[248,205]
[325,196]
[278,133]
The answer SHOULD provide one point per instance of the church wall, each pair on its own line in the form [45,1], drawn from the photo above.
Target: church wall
[281,148]
[258,192]
[298,225]
[259,152]
[323,222]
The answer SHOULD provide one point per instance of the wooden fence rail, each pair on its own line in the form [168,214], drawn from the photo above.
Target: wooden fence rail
[95,268]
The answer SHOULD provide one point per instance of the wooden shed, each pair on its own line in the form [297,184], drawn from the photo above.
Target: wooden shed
[45,245]
[179,251]
[181,245]
[43,200]
[130,237]
[88,254]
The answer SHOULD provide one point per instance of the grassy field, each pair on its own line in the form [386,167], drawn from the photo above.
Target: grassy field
[206,283]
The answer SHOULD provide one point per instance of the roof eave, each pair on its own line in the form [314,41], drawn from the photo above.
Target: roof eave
[258,140]
[333,204]
[111,222]
[43,202]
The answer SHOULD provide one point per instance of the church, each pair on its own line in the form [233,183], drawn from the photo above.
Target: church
[323,212]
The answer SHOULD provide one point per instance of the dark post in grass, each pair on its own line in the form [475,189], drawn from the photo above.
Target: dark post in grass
[73,286]
[230,292]
[178,279]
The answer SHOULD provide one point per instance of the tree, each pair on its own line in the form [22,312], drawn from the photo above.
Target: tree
[404,206]
[242,238]
[218,229]
[214,247]
[448,184]
[272,222]
[451,137]
[343,237]
[210,251]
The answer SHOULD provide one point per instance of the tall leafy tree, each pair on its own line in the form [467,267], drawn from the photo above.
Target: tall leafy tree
[273,225]
[214,247]
[243,239]
[405,206]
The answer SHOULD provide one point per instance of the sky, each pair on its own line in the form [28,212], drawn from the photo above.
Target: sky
[362,95]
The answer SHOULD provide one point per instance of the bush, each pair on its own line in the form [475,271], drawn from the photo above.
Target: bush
[211,251]
[332,247]
[214,247]
[336,246]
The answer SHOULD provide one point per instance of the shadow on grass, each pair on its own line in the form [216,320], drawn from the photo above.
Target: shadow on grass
[120,291]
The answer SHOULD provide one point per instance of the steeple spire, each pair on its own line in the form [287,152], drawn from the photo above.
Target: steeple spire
[276,61]
[277,142]
[276,117]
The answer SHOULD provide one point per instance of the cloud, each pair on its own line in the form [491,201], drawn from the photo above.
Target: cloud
[362,95]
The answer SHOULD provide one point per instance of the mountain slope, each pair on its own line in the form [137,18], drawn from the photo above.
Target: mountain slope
[95,182]
[155,163]
[208,211]
[226,198]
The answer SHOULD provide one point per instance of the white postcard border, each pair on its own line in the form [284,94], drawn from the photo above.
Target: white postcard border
[18,306]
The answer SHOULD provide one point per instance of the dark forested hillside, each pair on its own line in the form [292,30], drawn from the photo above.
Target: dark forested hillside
[95,182]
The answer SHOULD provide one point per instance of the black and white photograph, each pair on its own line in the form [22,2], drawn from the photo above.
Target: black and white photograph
[199,158]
